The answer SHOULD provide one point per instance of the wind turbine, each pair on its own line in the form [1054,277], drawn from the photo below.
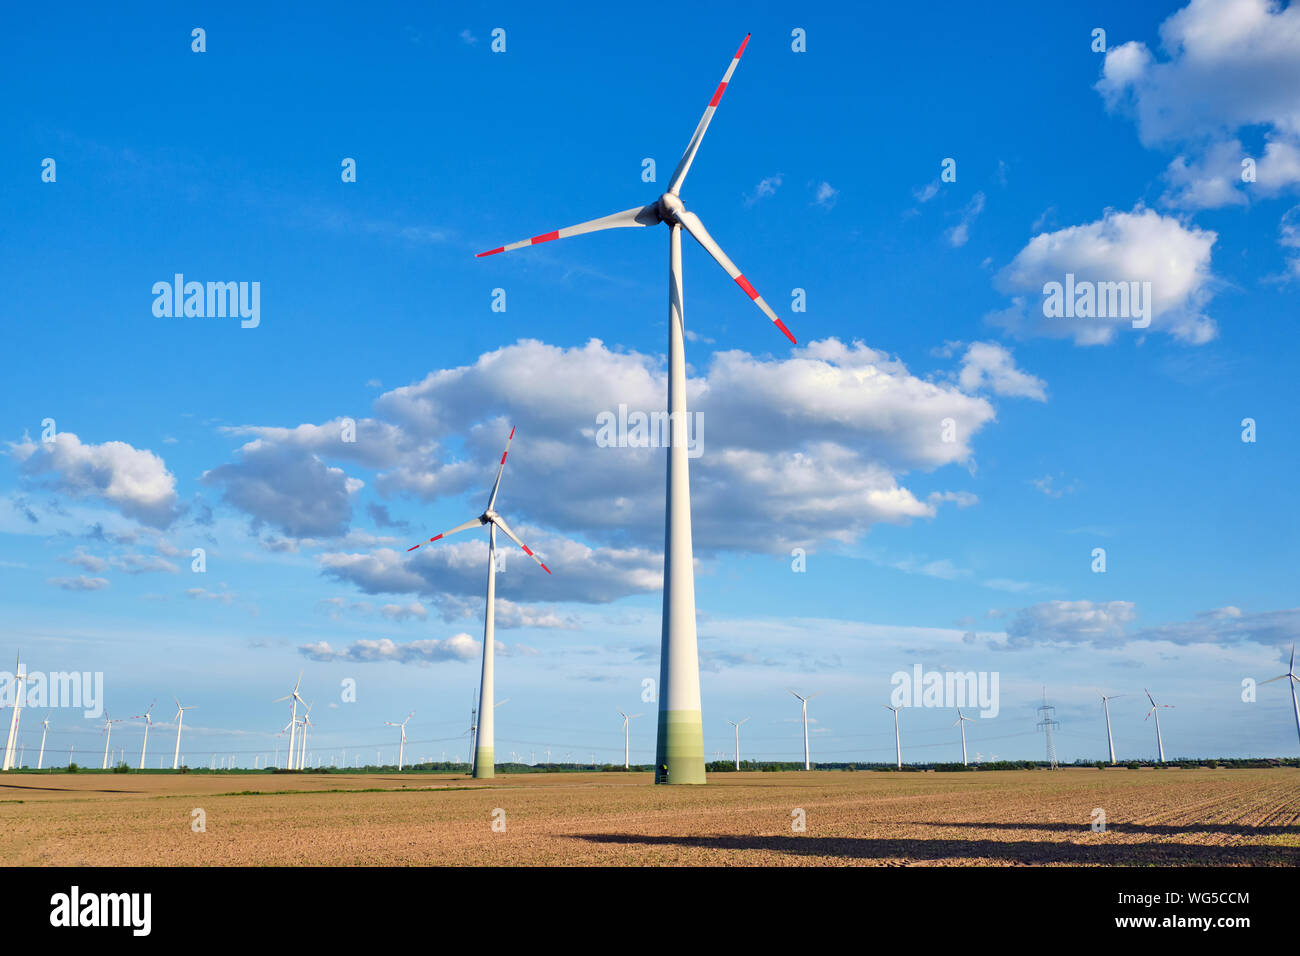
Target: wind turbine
[737,726]
[108,735]
[401,747]
[1291,679]
[679,752]
[626,718]
[180,718]
[1155,709]
[302,744]
[1110,740]
[484,758]
[898,743]
[293,712]
[961,721]
[806,764]
[45,729]
[20,676]
[148,723]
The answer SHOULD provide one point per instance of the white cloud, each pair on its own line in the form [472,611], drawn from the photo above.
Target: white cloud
[1071,622]
[825,195]
[988,365]
[80,583]
[458,647]
[960,233]
[134,481]
[766,187]
[1141,246]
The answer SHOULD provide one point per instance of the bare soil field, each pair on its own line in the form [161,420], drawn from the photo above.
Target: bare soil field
[1000,818]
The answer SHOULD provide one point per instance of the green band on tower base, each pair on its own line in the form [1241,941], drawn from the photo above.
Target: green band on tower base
[680,752]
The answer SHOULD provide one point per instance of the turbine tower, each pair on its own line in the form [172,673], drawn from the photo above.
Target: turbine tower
[148,723]
[679,751]
[807,763]
[898,744]
[626,718]
[302,744]
[1155,709]
[1291,679]
[1110,740]
[484,758]
[961,722]
[737,726]
[20,677]
[1046,724]
[45,729]
[108,735]
[292,726]
[180,718]
[401,747]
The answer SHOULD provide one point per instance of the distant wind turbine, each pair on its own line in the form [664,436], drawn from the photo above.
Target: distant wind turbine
[807,762]
[961,721]
[20,677]
[401,747]
[302,744]
[737,726]
[148,722]
[1110,740]
[484,757]
[626,751]
[45,728]
[898,743]
[1155,709]
[108,735]
[292,726]
[1291,679]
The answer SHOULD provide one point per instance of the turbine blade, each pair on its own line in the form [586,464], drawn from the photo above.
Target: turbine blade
[500,468]
[1279,677]
[684,166]
[472,522]
[500,523]
[640,216]
[692,224]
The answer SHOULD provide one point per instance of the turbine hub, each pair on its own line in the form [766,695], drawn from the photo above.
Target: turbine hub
[669,207]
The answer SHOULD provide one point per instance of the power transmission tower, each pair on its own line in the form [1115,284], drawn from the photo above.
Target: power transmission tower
[1046,724]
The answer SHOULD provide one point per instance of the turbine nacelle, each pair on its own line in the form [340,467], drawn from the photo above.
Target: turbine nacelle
[669,207]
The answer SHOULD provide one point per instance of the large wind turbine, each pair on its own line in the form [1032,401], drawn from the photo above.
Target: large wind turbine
[679,752]
[484,757]
[1155,709]
[961,721]
[1110,741]
[108,735]
[180,718]
[401,747]
[1293,680]
[898,742]
[626,718]
[807,765]
[148,723]
[293,714]
[737,726]
[20,677]
[302,743]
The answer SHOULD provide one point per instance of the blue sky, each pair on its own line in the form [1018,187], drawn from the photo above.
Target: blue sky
[821,171]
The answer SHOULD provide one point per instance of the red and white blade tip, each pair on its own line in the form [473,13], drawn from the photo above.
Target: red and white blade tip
[422,543]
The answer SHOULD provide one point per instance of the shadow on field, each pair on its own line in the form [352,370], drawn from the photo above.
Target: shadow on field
[1150,829]
[1032,851]
[14,786]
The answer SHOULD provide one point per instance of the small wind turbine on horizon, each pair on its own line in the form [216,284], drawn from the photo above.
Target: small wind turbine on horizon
[1110,740]
[401,747]
[679,750]
[1291,679]
[737,726]
[807,762]
[961,722]
[484,755]
[148,723]
[1155,709]
[180,718]
[626,738]
[898,743]
[292,726]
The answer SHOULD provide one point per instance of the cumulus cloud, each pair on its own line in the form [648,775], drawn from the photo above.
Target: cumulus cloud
[1071,622]
[1229,65]
[1230,625]
[988,365]
[80,583]
[960,233]
[287,487]
[134,481]
[458,647]
[766,187]
[825,195]
[1137,246]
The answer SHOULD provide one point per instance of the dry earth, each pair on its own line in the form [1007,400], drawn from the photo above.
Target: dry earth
[1171,817]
